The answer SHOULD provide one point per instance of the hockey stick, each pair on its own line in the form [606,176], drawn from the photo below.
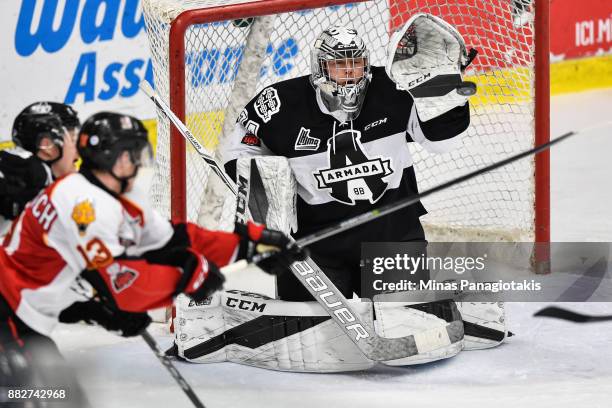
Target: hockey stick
[564,314]
[324,291]
[204,154]
[392,207]
[161,356]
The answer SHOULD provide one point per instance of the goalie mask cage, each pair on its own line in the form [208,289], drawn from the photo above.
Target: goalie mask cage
[210,59]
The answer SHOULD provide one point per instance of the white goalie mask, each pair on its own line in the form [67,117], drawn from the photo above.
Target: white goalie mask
[340,71]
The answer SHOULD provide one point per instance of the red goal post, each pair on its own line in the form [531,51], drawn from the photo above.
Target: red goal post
[512,71]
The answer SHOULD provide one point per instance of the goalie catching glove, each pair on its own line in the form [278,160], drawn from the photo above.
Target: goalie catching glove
[257,239]
[426,57]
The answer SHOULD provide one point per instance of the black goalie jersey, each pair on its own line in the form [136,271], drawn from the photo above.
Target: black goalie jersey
[345,169]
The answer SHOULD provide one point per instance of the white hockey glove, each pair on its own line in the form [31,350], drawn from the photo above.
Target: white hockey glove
[426,57]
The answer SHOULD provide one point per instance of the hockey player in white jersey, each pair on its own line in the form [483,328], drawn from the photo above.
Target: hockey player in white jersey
[44,133]
[89,247]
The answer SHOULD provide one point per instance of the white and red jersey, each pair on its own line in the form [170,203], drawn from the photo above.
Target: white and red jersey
[73,225]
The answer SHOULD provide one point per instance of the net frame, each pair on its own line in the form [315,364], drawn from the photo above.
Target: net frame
[236,9]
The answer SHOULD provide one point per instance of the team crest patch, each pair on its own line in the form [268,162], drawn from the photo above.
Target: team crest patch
[121,277]
[267,104]
[83,214]
[305,141]
[352,175]
[251,140]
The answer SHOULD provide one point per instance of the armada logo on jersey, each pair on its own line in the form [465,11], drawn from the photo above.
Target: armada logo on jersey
[305,141]
[267,104]
[352,175]
[121,277]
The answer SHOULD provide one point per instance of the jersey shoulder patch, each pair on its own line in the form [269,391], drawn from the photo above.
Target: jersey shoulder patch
[273,105]
[86,207]
[267,104]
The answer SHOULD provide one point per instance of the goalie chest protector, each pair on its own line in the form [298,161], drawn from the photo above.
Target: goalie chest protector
[344,169]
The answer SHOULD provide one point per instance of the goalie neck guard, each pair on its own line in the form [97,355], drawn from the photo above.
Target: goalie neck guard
[340,72]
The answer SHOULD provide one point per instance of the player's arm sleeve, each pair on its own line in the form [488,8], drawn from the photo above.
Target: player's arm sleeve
[137,285]
[219,247]
[442,133]
[133,284]
[183,264]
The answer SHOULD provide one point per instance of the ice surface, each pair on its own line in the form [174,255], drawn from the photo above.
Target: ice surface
[548,363]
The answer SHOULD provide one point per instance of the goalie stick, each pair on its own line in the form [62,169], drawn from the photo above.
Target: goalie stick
[323,290]
[389,208]
[392,207]
[565,314]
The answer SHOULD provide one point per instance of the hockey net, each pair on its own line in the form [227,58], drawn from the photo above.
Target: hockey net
[208,62]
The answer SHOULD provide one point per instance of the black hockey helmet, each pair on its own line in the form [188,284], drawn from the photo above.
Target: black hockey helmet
[69,117]
[38,120]
[29,129]
[105,135]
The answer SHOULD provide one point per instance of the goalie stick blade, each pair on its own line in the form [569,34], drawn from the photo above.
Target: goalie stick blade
[385,349]
[362,334]
[564,314]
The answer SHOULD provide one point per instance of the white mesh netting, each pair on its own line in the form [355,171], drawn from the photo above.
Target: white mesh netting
[496,206]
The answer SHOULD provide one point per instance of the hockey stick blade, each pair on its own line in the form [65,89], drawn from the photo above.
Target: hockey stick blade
[171,369]
[392,207]
[564,314]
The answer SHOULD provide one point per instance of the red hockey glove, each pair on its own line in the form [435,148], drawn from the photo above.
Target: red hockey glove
[201,277]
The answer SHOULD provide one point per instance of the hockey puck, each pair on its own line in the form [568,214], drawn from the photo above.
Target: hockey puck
[467,88]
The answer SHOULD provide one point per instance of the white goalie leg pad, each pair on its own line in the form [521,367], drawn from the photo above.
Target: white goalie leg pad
[272,191]
[195,321]
[251,329]
[485,324]
[397,319]
[271,196]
